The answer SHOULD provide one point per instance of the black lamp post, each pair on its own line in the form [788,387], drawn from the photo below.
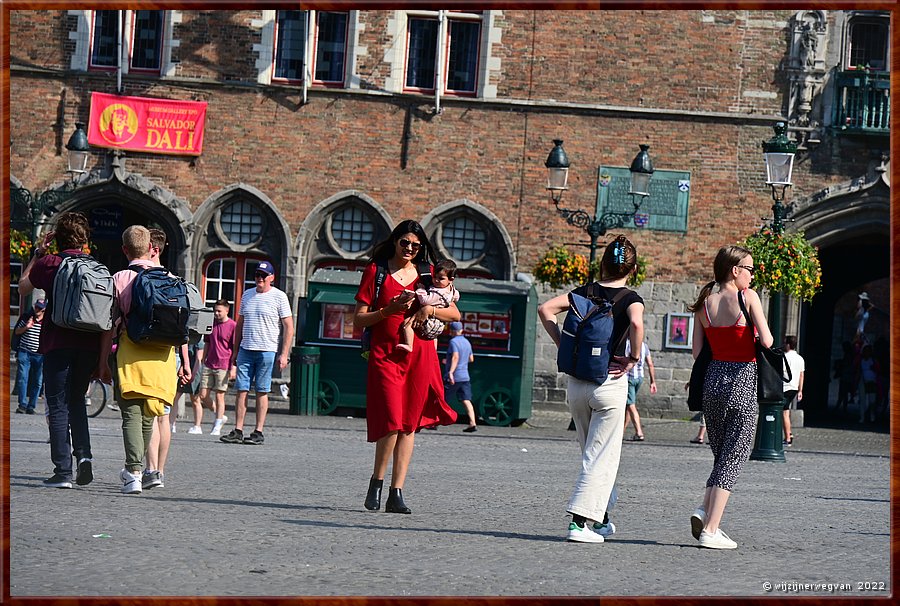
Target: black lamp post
[558,173]
[779,152]
[28,209]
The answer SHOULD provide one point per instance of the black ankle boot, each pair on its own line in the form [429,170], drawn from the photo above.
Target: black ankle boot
[395,502]
[373,497]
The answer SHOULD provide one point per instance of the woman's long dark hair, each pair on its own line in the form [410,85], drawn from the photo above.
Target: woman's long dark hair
[726,259]
[386,249]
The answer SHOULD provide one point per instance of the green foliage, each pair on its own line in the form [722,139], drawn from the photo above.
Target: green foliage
[785,263]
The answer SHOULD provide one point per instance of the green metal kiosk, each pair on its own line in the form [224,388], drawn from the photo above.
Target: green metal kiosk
[499,318]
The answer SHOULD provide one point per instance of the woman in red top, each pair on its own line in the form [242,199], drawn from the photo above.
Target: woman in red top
[404,390]
[729,390]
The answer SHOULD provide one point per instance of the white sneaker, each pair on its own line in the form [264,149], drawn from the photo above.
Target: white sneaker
[718,540]
[698,520]
[131,482]
[604,530]
[173,427]
[583,534]
[217,426]
[195,429]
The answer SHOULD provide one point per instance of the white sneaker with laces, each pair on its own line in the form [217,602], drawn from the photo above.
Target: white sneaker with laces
[717,540]
[698,520]
[583,534]
[131,482]
[195,429]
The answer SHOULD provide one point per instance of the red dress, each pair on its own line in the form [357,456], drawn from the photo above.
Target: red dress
[404,391]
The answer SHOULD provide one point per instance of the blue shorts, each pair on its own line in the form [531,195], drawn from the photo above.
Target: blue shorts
[462,389]
[255,364]
[633,386]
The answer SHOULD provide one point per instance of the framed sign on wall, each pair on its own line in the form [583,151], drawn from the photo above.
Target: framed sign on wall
[679,330]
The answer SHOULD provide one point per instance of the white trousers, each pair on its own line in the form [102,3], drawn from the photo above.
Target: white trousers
[599,415]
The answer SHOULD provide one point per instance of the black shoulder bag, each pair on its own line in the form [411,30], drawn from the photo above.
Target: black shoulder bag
[770,367]
[698,375]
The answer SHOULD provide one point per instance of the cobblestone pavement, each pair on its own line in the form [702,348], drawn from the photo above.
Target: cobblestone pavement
[286,518]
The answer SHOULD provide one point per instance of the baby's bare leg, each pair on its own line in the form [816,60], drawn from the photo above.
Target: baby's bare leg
[406,335]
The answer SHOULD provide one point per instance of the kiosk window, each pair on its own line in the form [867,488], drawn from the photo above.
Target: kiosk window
[337,323]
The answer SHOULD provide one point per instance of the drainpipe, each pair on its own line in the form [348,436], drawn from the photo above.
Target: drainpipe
[439,78]
[121,48]
[306,74]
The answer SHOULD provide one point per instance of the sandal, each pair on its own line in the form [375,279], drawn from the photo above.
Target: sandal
[637,438]
[697,441]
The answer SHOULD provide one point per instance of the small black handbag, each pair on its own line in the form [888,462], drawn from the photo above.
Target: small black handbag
[770,367]
[698,375]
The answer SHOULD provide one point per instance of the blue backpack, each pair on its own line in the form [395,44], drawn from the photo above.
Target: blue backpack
[160,307]
[585,345]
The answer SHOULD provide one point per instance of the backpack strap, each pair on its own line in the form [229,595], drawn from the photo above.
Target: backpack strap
[425,276]
[380,275]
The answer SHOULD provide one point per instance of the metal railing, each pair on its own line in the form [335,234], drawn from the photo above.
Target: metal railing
[862,103]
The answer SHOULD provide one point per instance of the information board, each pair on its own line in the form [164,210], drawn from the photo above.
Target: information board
[667,204]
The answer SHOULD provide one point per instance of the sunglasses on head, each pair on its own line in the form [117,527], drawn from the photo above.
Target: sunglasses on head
[409,244]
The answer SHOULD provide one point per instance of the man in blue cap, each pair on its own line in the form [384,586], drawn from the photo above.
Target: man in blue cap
[264,316]
[456,375]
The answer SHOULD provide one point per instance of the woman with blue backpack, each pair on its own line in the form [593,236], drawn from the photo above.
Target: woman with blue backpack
[592,352]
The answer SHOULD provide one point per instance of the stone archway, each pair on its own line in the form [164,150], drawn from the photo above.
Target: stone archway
[850,224]
[120,199]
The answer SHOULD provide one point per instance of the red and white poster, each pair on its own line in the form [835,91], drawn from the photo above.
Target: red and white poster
[156,126]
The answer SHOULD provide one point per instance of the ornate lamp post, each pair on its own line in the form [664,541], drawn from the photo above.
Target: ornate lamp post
[28,209]
[779,152]
[558,173]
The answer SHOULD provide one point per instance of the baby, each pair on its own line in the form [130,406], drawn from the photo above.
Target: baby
[440,294]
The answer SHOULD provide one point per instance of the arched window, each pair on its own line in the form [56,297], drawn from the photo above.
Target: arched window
[352,229]
[241,223]
[463,238]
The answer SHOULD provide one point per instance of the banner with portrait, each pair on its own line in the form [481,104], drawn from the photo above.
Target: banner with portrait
[156,126]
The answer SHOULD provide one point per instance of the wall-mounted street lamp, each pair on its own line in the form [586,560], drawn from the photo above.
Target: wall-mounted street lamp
[28,209]
[557,179]
[778,152]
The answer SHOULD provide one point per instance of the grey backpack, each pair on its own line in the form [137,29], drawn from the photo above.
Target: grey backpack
[83,294]
[200,320]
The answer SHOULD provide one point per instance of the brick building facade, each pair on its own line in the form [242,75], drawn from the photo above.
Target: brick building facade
[321,167]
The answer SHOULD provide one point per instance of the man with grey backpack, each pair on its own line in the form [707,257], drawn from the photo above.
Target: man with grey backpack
[74,332]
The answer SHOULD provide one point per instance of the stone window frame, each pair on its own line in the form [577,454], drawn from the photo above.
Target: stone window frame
[488,69]
[497,258]
[866,18]
[223,235]
[83,32]
[266,50]
[351,203]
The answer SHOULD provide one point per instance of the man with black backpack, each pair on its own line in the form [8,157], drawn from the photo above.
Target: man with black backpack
[71,355]
[154,307]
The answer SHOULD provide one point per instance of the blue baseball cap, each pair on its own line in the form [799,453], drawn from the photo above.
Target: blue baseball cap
[40,304]
[266,268]
[456,326]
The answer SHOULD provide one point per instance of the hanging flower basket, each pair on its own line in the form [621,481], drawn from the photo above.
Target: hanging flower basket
[785,263]
[561,267]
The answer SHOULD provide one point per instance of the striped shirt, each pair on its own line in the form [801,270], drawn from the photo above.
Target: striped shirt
[31,338]
[262,313]
[637,371]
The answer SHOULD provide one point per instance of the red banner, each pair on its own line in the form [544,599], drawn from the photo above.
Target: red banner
[157,126]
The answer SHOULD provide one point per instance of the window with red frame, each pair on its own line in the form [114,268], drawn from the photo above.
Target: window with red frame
[227,277]
[330,46]
[462,56]
[147,40]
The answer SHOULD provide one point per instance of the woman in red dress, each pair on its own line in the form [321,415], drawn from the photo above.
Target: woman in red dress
[404,390]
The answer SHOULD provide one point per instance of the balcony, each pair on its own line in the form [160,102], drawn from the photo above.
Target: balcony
[862,103]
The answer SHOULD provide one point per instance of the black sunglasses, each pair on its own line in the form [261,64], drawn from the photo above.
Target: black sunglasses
[748,268]
[409,244]
[260,274]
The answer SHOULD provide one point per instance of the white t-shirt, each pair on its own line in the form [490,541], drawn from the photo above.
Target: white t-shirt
[797,365]
[262,313]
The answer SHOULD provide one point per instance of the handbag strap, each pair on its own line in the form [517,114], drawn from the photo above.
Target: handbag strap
[786,367]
